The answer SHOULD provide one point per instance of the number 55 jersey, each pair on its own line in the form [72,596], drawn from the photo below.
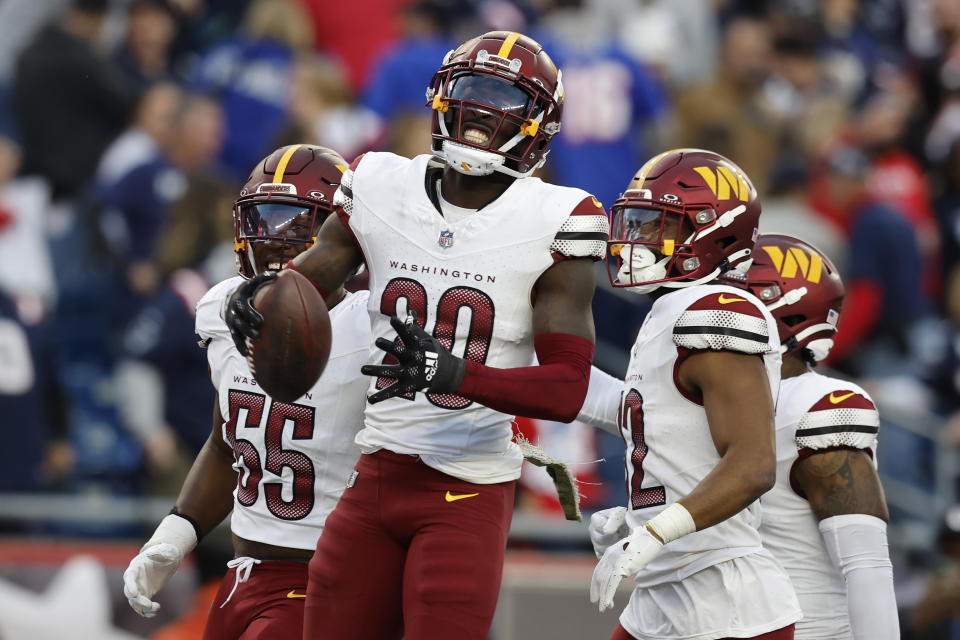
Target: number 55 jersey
[471,283]
[293,460]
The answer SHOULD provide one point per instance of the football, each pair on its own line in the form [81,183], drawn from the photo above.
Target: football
[294,343]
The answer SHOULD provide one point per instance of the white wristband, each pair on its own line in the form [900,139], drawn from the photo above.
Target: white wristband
[176,531]
[672,523]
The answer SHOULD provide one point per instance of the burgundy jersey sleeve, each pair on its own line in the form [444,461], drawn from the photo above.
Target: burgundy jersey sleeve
[584,233]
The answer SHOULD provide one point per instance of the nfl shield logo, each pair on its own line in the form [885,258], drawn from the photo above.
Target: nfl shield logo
[446,239]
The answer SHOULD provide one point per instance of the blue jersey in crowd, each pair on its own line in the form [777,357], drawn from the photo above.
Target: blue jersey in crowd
[609,99]
[883,250]
[162,335]
[251,78]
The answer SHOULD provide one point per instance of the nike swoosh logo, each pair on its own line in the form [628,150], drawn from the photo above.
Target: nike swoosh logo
[293,594]
[451,497]
[838,399]
[723,300]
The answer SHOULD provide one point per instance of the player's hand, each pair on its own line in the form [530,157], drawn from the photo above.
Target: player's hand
[623,558]
[606,527]
[147,573]
[423,364]
[242,319]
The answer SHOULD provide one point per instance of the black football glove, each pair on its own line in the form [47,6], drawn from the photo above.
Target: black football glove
[242,319]
[423,363]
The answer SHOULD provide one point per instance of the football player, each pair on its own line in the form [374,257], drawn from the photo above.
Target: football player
[474,265]
[281,467]
[825,519]
[696,412]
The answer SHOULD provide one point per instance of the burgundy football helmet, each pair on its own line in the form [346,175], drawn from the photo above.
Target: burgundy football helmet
[687,216]
[802,290]
[497,100]
[282,205]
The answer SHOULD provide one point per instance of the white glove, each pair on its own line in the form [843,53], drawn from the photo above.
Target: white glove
[623,558]
[606,527]
[156,563]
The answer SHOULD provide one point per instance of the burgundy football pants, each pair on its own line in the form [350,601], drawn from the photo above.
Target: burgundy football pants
[409,552]
[785,633]
[267,606]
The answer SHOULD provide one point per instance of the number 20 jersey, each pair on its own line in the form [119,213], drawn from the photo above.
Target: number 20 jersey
[669,445]
[293,460]
[471,283]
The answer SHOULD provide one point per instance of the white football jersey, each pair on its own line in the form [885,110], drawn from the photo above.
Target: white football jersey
[293,459]
[471,283]
[669,452]
[814,412]
[669,445]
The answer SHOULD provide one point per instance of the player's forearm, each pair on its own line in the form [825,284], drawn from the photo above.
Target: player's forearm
[603,399]
[331,260]
[739,479]
[857,545]
[207,494]
[553,390]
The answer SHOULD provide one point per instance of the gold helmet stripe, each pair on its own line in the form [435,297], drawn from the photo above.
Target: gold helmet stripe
[508,44]
[284,160]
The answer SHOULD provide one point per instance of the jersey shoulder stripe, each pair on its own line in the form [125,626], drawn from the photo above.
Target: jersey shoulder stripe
[843,417]
[584,233]
[723,321]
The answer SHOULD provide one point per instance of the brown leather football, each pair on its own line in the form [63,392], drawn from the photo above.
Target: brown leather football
[294,344]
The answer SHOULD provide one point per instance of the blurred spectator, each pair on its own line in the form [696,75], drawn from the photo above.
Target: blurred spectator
[655,30]
[356,37]
[937,615]
[403,71]
[70,101]
[250,75]
[145,55]
[164,390]
[26,271]
[885,299]
[947,206]
[19,22]
[727,114]
[324,112]
[612,104]
[137,205]
[31,402]
[809,106]
[147,136]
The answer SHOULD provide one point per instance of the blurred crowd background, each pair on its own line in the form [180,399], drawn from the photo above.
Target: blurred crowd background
[128,126]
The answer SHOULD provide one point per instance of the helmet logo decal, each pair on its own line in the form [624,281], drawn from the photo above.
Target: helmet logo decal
[670,197]
[319,195]
[810,265]
[725,183]
[446,239]
[833,317]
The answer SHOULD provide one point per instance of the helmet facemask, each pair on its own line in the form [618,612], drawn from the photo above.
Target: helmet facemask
[652,246]
[270,231]
[489,117]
